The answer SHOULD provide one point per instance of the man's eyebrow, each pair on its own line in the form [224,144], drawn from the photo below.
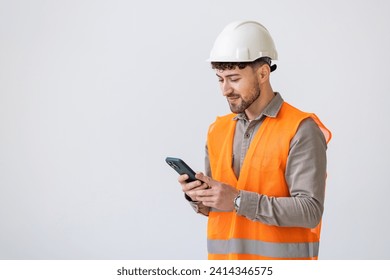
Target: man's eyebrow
[227,76]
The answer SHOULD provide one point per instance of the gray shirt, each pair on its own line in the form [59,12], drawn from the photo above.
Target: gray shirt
[305,174]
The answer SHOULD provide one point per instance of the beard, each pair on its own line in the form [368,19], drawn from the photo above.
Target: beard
[239,105]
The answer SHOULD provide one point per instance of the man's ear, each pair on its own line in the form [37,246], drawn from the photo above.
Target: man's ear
[263,73]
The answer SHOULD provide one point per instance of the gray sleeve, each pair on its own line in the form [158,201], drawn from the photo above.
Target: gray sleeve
[305,176]
[199,208]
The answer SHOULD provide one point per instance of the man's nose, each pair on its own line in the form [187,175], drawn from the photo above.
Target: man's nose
[226,89]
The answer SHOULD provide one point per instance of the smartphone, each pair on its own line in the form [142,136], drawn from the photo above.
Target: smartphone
[181,167]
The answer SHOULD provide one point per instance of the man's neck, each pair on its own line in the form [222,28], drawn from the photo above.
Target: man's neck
[259,105]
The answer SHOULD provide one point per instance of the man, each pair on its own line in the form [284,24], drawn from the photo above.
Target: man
[265,162]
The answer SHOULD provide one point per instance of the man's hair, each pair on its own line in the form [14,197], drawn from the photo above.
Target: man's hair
[241,65]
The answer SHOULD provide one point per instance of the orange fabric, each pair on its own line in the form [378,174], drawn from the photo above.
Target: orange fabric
[262,172]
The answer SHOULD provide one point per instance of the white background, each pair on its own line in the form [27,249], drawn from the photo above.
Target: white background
[95,94]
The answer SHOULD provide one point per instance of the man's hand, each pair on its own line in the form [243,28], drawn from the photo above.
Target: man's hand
[192,186]
[218,195]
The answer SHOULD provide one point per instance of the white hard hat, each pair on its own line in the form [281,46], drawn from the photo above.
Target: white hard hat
[243,41]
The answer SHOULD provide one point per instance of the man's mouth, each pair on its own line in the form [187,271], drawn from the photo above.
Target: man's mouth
[233,97]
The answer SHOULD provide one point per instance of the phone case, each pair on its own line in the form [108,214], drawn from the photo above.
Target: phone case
[181,167]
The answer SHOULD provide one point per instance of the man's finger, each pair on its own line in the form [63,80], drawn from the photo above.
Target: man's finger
[182,178]
[205,199]
[201,193]
[209,181]
[192,185]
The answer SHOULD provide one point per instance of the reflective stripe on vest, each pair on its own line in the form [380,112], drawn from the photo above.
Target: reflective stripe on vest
[263,171]
[261,248]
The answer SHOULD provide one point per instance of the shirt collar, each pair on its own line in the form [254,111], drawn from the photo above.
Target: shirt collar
[271,110]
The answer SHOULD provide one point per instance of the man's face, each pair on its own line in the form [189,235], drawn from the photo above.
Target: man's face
[240,86]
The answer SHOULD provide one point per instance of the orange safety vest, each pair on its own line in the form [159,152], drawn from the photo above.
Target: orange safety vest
[231,236]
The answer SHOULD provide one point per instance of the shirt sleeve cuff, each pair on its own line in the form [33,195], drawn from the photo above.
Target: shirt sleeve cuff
[198,206]
[248,204]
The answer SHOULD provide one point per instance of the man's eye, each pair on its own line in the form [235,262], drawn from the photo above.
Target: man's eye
[220,81]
